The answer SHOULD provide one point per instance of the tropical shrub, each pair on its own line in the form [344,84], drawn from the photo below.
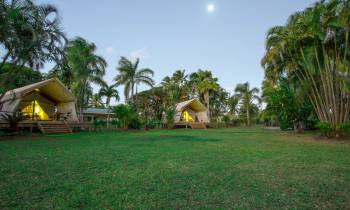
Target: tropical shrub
[99,124]
[345,128]
[12,119]
[325,128]
[170,114]
[127,116]
[115,123]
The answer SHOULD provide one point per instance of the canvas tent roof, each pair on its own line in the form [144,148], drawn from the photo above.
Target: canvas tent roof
[194,104]
[52,88]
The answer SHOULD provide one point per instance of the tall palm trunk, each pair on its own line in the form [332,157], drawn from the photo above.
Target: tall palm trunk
[132,92]
[206,98]
[81,109]
[248,116]
[108,108]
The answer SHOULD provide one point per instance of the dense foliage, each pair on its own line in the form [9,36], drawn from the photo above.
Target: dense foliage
[311,53]
[23,76]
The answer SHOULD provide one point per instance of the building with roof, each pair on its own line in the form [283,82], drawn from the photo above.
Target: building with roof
[97,113]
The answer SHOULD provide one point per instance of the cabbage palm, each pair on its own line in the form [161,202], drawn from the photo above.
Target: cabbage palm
[232,105]
[247,97]
[95,101]
[176,86]
[204,83]
[31,34]
[130,76]
[109,92]
[87,68]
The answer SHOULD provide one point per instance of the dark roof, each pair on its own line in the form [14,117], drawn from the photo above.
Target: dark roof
[97,111]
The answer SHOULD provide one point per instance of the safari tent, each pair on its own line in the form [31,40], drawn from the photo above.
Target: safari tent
[191,111]
[43,101]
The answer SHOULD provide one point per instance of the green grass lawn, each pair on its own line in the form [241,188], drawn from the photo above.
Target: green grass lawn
[177,169]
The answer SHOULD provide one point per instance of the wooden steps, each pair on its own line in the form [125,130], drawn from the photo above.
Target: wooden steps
[198,125]
[51,127]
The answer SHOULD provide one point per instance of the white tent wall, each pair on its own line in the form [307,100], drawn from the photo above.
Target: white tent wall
[10,106]
[203,117]
[68,108]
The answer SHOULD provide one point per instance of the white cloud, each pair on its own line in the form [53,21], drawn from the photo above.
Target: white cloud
[139,53]
[110,50]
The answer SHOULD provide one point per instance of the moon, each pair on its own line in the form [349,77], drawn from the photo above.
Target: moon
[210,8]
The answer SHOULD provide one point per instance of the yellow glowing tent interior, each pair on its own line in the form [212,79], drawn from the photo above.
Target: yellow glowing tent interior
[40,101]
[191,111]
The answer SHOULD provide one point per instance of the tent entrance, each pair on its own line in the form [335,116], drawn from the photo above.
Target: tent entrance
[188,116]
[34,111]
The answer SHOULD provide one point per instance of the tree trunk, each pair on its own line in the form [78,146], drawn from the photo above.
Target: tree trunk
[248,120]
[206,98]
[81,117]
[132,92]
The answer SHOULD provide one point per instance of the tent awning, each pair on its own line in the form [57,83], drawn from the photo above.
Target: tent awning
[51,88]
[194,104]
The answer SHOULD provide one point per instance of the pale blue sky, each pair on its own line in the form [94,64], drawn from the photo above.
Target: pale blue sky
[180,34]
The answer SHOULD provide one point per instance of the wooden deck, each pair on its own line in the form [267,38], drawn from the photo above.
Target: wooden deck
[192,125]
[50,126]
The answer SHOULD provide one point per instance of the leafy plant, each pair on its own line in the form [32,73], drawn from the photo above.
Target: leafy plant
[170,113]
[12,119]
[325,128]
[126,115]
[345,128]
[99,124]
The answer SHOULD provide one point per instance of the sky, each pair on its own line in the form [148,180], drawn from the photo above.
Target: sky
[168,35]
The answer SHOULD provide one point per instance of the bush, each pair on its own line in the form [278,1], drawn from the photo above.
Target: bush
[170,113]
[135,124]
[152,123]
[127,117]
[226,119]
[115,123]
[325,128]
[99,124]
[345,128]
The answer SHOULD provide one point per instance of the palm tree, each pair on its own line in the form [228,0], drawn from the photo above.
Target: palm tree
[30,33]
[247,97]
[232,105]
[109,92]
[130,76]
[95,101]
[87,68]
[204,83]
[176,86]
[314,47]
[180,78]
